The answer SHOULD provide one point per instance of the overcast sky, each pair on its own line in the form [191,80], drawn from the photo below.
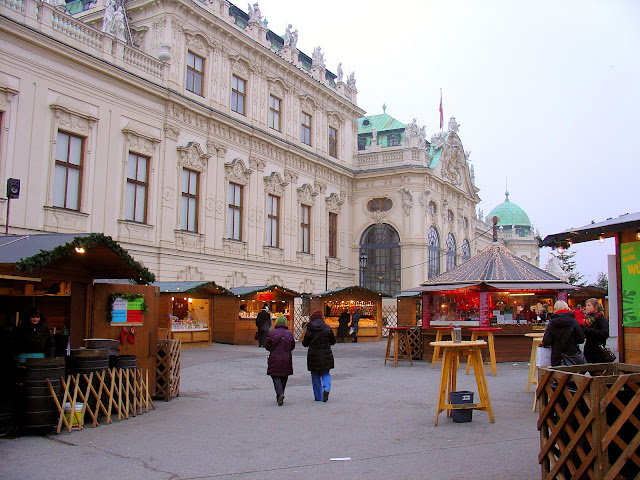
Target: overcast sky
[546,92]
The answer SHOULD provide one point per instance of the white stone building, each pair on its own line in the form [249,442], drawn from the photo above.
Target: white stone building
[212,149]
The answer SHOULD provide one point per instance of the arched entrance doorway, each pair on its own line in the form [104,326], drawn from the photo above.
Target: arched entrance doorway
[381,244]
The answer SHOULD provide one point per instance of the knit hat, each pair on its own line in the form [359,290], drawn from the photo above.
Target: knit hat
[281,320]
[316,314]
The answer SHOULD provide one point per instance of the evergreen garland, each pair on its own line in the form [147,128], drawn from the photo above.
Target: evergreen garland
[127,296]
[93,240]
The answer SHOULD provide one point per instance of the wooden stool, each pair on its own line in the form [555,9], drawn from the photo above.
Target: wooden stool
[440,331]
[485,332]
[450,352]
[537,342]
[398,334]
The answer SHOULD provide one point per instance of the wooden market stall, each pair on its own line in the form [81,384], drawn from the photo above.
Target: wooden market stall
[333,302]
[495,288]
[189,311]
[240,327]
[625,230]
[74,279]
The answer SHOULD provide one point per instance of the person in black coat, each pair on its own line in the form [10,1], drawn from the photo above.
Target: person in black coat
[263,323]
[563,334]
[34,336]
[355,320]
[343,327]
[280,343]
[319,337]
[596,331]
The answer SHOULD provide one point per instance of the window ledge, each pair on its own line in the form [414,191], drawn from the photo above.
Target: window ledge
[233,246]
[65,220]
[273,253]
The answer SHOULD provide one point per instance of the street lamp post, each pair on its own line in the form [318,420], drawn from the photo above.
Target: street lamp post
[363,264]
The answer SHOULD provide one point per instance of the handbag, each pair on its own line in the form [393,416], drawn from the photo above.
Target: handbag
[607,355]
[351,330]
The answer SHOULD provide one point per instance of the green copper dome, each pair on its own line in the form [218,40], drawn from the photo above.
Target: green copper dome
[510,214]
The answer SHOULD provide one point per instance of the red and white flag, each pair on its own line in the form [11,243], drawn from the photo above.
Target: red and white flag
[441,112]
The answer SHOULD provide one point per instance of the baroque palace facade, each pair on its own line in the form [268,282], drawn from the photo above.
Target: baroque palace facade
[213,149]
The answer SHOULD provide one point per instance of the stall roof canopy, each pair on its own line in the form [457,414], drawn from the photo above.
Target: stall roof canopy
[497,268]
[102,258]
[250,291]
[592,231]
[353,289]
[190,287]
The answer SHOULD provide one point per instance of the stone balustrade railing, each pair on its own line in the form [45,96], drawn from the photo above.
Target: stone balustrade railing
[384,157]
[57,24]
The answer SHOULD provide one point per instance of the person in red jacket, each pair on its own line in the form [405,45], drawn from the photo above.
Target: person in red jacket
[578,314]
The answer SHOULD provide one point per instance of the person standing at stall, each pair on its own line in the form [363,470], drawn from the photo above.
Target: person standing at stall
[596,331]
[34,336]
[280,343]
[263,323]
[343,327]
[563,335]
[319,337]
[353,328]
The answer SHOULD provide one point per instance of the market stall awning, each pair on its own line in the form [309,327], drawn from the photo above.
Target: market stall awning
[352,289]
[251,291]
[89,255]
[444,286]
[191,287]
[537,286]
[593,230]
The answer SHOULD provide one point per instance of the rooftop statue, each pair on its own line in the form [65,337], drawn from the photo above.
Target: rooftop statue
[318,57]
[351,81]
[118,24]
[340,72]
[290,37]
[254,13]
[453,125]
[108,19]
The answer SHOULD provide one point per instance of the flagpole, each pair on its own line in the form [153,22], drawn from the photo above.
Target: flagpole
[441,112]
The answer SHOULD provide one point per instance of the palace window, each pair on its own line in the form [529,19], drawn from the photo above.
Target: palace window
[67,182]
[273,219]
[305,228]
[451,251]
[382,204]
[381,243]
[195,71]
[394,140]
[234,212]
[466,250]
[137,187]
[189,200]
[274,112]
[333,234]
[238,94]
[333,142]
[305,129]
[433,240]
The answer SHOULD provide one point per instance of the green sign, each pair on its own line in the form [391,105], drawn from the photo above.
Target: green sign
[630,265]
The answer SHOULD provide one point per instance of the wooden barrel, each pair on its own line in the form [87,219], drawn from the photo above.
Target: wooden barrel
[39,409]
[103,343]
[127,361]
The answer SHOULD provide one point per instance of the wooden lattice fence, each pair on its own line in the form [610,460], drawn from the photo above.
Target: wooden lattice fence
[300,320]
[168,369]
[589,421]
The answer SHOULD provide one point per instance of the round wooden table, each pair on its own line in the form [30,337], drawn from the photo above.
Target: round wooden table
[398,335]
[477,332]
[440,331]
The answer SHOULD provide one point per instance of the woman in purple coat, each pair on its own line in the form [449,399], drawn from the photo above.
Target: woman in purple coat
[280,343]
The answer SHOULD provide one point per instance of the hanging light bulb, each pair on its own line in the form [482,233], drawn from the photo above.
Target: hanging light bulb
[638,234]
[560,250]
[601,238]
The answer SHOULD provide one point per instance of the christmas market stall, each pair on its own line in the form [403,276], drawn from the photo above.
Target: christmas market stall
[190,310]
[333,302]
[240,328]
[624,275]
[495,288]
[82,286]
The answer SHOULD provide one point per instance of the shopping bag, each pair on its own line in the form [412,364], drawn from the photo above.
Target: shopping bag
[351,330]
[543,357]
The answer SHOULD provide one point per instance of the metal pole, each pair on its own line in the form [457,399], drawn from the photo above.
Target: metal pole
[326,275]
[6,227]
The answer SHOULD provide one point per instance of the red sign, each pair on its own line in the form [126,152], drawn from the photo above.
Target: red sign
[563,296]
[426,310]
[265,297]
[485,310]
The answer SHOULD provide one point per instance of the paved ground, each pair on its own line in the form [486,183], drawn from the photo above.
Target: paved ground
[226,424]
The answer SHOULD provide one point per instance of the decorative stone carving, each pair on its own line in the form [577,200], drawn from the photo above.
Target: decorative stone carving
[334,203]
[139,139]
[193,157]
[190,273]
[237,172]
[73,120]
[65,221]
[320,187]
[255,16]
[307,286]
[351,81]
[340,72]
[275,280]
[453,125]
[168,197]
[452,162]
[188,240]
[257,164]
[236,279]
[234,247]
[306,194]
[137,36]
[274,184]
[317,58]
[172,132]
[273,253]
[290,176]
[407,199]
[158,28]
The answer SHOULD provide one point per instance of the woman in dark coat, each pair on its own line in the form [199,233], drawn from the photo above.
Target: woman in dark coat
[355,320]
[563,334]
[343,327]
[280,343]
[596,331]
[319,337]
[34,336]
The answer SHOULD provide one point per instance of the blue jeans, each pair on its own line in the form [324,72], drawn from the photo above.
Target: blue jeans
[320,381]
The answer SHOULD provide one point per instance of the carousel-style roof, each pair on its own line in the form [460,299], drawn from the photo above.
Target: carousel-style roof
[496,267]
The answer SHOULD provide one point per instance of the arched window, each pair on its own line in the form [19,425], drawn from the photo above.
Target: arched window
[434,252]
[381,244]
[466,250]
[451,251]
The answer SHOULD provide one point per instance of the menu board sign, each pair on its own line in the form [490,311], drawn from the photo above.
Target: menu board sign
[485,310]
[630,275]
[127,311]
